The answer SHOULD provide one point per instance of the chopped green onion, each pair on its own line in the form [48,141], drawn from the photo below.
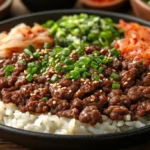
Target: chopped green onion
[34,70]
[97,59]
[101,57]
[66,52]
[47,46]
[86,74]
[54,78]
[68,61]
[115,86]
[8,70]
[27,52]
[23,62]
[58,68]
[29,77]
[36,55]
[96,53]
[105,60]
[114,76]
[31,64]
[92,36]
[96,77]
[100,70]
[31,48]
[113,51]
[94,65]
[44,99]
[74,74]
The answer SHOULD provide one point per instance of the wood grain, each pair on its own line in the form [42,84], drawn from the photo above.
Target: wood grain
[10,146]
[4,145]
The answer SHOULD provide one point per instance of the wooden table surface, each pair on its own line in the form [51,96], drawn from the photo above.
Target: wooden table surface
[19,9]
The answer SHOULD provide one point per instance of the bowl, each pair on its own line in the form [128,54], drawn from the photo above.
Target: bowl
[141,9]
[40,5]
[74,142]
[114,5]
[4,8]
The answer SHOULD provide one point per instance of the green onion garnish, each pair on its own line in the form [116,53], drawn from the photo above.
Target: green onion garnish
[105,60]
[115,86]
[27,52]
[29,77]
[96,77]
[114,76]
[23,62]
[94,65]
[47,46]
[68,61]
[113,51]
[8,70]
[100,70]
[44,99]
[54,78]
[36,55]
[86,74]
[66,52]
[31,48]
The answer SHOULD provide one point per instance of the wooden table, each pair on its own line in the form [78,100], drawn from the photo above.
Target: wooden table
[19,9]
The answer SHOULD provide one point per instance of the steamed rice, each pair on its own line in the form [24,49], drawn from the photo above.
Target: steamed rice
[11,116]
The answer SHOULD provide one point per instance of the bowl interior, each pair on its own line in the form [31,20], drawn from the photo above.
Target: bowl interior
[41,140]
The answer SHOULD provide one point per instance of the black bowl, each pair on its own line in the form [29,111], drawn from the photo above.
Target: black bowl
[51,141]
[41,5]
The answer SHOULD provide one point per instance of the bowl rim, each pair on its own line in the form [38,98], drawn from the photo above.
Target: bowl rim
[128,133]
[102,5]
[5,4]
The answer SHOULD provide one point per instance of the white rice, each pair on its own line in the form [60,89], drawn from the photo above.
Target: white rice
[10,115]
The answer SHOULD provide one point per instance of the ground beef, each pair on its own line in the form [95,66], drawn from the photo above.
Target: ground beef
[90,49]
[116,97]
[141,108]
[57,105]
[146,80]
[117,112]
[71,113]
[85,99]
[90,114]
[128,77]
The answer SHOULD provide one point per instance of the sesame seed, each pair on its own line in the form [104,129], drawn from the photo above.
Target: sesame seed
[129,79]
[54,102]
[95,81]
[23,89]
[63,88]
[82,79]
[70,91]
[54,85]
[1,61]
[92,100]
[125,83]
[101,75]
[59,76]
[41,57]
[47,83]
[47,76]
[93,97]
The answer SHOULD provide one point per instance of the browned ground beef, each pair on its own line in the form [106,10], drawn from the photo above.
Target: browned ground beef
[84,99]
